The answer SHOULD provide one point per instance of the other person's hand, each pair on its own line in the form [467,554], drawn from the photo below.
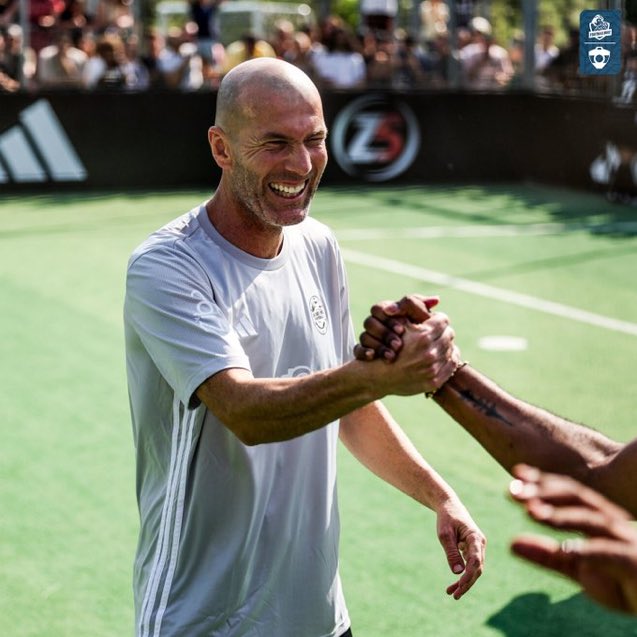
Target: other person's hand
[385,326]
[605,563]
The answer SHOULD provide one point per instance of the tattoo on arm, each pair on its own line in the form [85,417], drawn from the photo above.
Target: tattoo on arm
[489,409]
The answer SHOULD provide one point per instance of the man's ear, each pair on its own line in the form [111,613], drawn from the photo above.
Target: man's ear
[219,146]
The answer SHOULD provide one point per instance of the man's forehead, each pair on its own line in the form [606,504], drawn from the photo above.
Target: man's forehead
[288,104]
[267,90]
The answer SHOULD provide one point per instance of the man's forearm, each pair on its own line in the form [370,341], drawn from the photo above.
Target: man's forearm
[275,409]
[378,442]
[262,410]
[513,431]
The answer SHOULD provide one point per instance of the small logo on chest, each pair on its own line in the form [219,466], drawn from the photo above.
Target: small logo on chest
[319,316]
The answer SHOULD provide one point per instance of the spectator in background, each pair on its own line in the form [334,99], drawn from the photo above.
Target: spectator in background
[326,28]
[380,59]
[205,14]
[340,65]
[545,49]
[179,62]
[464,10]
[106,69]
[137,76]
[301,53]
[8,11]
[8,84]
[436,59]
[629,78]
[74,15]
[409,71]
[485,65]
[113,15]
[84,40]
[282,40]
[516,55]
[247,48]
[20,62]
[562,72]
[393,61]
[60,65]
[153,45]
[313,32]
[378,15]
[434,18]
[43,17]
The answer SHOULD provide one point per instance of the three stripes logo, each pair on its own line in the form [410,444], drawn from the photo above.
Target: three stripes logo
[37,149]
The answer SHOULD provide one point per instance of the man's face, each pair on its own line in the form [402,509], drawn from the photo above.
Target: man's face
[278,159]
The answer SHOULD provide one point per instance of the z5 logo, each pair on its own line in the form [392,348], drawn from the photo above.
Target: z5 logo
[375,138]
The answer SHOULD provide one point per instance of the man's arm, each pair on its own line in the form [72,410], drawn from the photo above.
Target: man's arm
[377,441]
[511,430]
[261,410]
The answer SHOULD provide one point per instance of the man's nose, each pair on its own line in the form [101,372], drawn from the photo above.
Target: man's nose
[300,160]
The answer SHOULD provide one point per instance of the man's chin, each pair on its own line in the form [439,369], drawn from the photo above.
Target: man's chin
[292,216]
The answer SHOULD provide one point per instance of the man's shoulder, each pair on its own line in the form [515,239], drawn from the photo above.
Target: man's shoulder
[169,238]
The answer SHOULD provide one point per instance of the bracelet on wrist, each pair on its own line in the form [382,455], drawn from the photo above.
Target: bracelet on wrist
[459,366]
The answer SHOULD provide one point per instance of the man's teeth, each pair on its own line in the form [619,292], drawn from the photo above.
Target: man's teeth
[287,190]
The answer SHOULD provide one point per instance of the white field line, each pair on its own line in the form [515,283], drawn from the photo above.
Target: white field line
[436,232]
[488,291]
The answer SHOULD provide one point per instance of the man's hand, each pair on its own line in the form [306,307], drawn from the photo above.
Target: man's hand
[428,357]
[389,330]
[605,565]
[385,326]
[463,543]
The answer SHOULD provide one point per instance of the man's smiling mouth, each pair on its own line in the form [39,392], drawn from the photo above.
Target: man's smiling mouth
[286,190]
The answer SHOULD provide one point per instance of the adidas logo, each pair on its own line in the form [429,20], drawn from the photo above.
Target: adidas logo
[38,150]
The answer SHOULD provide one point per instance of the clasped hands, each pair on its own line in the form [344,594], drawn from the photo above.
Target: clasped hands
[410,326]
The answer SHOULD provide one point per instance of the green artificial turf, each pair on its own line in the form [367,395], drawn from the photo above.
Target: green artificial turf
[68,519]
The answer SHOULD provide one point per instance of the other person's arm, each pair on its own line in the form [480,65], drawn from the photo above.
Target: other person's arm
[511,430]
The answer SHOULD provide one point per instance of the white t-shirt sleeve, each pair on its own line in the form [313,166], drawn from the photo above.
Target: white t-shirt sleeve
[170,306]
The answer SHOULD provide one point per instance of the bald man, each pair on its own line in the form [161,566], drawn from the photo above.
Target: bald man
[242,380]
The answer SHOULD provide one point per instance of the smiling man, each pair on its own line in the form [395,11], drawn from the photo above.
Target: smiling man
[241,381]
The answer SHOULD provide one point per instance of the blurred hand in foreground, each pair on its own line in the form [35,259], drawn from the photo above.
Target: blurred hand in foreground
[605,562]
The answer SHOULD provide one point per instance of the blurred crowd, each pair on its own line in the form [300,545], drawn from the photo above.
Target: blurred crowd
[98,44]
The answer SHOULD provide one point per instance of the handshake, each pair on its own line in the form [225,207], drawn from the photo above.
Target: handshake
[423,339]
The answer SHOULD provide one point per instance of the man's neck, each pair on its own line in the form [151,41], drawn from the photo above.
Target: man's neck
[252,237]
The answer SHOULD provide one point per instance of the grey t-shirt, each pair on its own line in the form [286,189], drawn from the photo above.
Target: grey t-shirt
[234,540]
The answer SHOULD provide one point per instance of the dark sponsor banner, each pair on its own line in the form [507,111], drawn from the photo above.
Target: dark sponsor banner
[159,140]
[121,141]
